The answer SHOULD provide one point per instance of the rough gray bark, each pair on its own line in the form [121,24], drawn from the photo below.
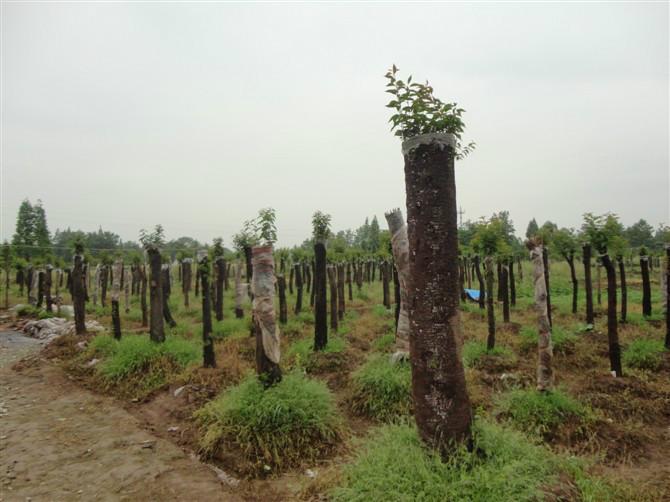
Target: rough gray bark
[544,346]
[208,356]
[400,248]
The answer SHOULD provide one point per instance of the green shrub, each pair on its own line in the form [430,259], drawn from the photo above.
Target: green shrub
[562,342]
[381,311]
[305,316]
[301,351]
[537,412]
[231,327]
[474,353]
[384,342]
[382,390]
[644,353]
[293,327]
[102,346]
[392,464]
[292,421]
[43,314]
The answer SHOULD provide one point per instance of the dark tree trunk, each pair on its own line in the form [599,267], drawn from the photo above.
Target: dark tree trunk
[220,277]
[385,284]
[156,328]
[575,283]
[498,281]
[667,297]
[20,279]
[396,295]
[40,288]
[186,278]
[167,315]
[480,279]
[291,272]
[116,319]
[7,289]
[519,268]
[598,295]
[226,278]
[104,276]
[340,292]
[504,272]
[298,288]
[646,286]
[306,276]
[461,279]
[197,284]
[612,334]
[143,294]
[332,280]
[545,261]
[490,313]
[283,309]
[512,282]
[78,298]
[313,281]
[250,269]
[441,404]
[588,287]
[320,301]
[624,289]
[208,357]
[349,285]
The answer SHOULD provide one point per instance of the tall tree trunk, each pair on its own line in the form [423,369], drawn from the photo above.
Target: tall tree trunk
[104,275]
[313,293]
[504,272]
[441,404]
[78,298]
[7,288]
[197,284]
[598,290]
[186,278]
[570,258]
[666,296]
[624,289]
[386,290]
[283,309]
[512,282]
[291,272]
[400,248]
[519,268]
[143,294]
[646,286]
[340,291]
[588,288]
[47,286]
[40,288]
[545,262]
[226,282]
[490,313]
[349,285]
[156,328]
[116,292]
[240,292]
[265,326]
[250,268]
[208,356]
[332,280]
[612,329]
[126,288]
[544,346]
[461,278]
[167,289]
[298,288]
[320,301]
[220,276]
[482,286]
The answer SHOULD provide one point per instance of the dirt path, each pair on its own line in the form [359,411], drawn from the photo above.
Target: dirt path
[60,442]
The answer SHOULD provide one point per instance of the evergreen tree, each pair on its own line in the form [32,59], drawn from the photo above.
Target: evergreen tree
[373,235]
[41,235]
[531,230]
[25,230]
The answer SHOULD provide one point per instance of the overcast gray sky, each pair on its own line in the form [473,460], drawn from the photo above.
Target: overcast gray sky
[228,108]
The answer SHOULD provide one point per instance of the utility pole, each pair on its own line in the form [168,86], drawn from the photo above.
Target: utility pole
[460,216]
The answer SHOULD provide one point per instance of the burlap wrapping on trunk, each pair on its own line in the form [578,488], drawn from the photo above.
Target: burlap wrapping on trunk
[116,280]
[34,287]
[241,288]
[263,289]
[96,284]
[127,280]
[400,246]
[544,346]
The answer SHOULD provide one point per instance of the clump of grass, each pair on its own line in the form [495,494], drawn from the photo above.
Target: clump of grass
[292,421]
[305,317]
[301,352]
[293,327]
[562,341]
[540,413]
[475,352]
[392,464]
[102,346]
[231,327]
[644,353]
[381,311]
[384,342]
[382,390]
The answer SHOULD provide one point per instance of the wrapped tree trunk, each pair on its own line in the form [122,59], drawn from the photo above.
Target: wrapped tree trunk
[165,278]
[504,271]
[545,260]
[78,296]
[624,288]
[220,275]
[241,289]
[319,290]
[482,286]
[441,404]
[400,248]
[143,294]
[298,288]
[386,279]
[59,282]
[156,327]
[340,291]
[47,287]
[283,309]
[646,286]
[612,327]
[490,313]
[265,327]
[128,279]
[33,290]
[396,295]
[208,357]
[512,282]
[332,280]
[96,284]
[186,278]
[588,288]
[116,293]
[544,346]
